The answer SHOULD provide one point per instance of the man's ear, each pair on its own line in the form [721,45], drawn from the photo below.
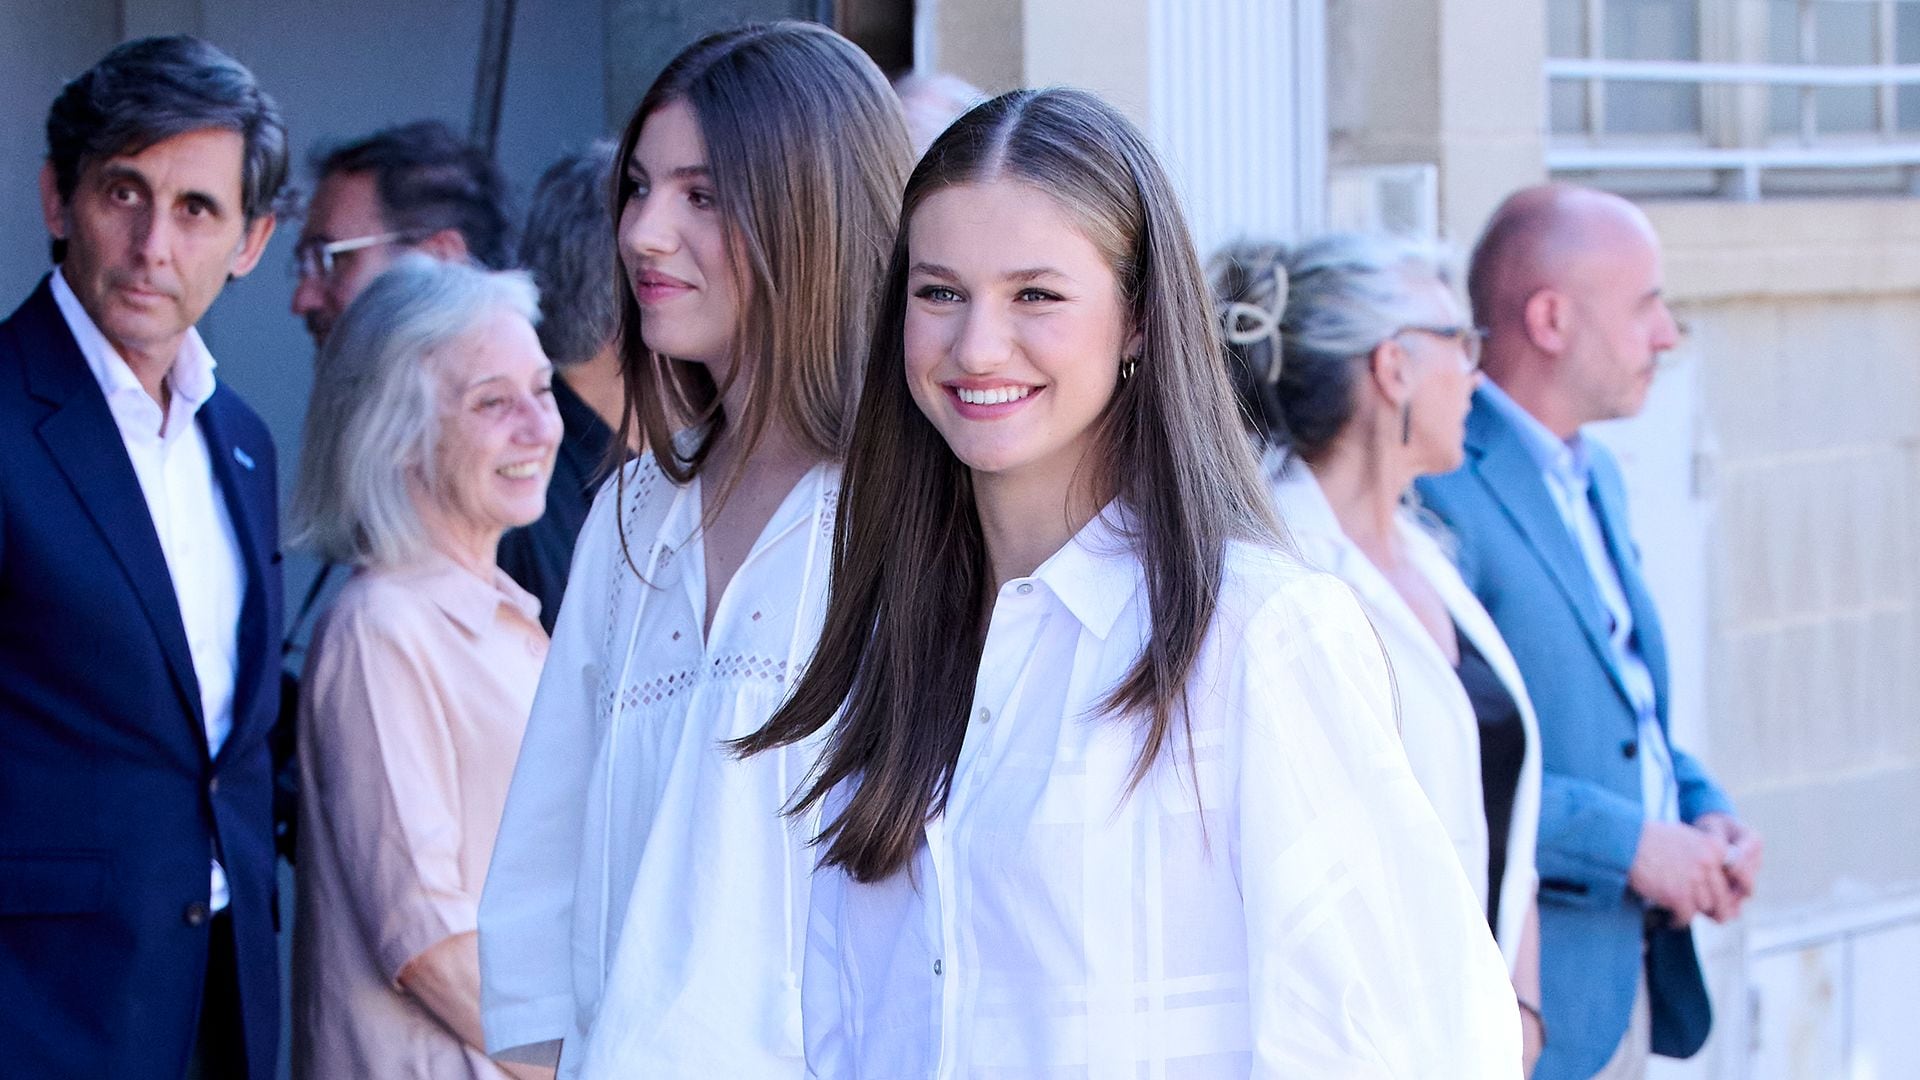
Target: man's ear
[252,245]
[53,209]
[447,245]
[1545,318]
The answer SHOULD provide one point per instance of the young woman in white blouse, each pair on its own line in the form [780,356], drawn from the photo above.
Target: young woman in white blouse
[1355,363]
[647,901]
[1112,788]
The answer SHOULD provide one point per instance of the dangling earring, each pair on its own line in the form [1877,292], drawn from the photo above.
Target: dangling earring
[1127,365]
[1406,423]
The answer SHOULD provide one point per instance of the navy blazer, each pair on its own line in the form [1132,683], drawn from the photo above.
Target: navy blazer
[110,809]
[1517,555]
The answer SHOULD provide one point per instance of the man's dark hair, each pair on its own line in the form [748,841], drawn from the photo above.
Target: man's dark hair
[150,90]
[430,179]
[568,247]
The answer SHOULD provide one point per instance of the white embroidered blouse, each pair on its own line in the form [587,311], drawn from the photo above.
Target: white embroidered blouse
[646,903]
[1301,915]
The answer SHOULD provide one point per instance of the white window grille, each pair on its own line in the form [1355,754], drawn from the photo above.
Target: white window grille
[1734,97]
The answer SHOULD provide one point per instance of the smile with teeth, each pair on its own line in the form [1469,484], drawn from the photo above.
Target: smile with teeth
[525,470]
[999,395]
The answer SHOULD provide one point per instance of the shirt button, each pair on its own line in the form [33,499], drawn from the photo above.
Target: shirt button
[936,965]
[195,913]
[1629,749]
[981,715]
[1023,588]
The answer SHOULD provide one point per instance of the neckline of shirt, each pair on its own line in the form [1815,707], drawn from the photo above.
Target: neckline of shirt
[191,377]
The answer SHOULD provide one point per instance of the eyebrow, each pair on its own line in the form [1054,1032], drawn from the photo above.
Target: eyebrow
[681,172]
[1031,274]
[485,379]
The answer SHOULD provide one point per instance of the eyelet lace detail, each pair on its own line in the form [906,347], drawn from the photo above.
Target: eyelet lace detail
[747,667]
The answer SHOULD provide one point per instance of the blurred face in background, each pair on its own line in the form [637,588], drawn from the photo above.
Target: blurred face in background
[674,246]
[344,207]
[499,431]
[1442,360]
[1618,323]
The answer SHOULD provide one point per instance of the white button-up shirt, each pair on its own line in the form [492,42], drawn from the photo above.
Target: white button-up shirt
[170,458]
[1437,723]
[1300,914]
[1568,473]
[647,901]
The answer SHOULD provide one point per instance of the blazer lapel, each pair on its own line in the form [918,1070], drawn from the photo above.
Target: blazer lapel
[1609,502]
[230,461]
[1512,476]
[85,443]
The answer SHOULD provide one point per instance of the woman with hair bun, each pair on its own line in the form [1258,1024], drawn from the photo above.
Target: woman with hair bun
[1109,787]
[1355,364]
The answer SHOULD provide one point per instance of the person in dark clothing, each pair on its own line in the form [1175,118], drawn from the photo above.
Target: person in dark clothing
[139,590]
[568,248]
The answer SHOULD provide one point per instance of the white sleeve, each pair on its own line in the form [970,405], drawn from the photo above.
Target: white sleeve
[823,1005]
[1368,954]
[527,908]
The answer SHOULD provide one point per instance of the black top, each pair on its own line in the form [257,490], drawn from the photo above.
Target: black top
[1503,746]
[538,555]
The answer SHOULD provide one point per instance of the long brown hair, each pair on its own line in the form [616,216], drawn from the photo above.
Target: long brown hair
[902,641]
[808,150]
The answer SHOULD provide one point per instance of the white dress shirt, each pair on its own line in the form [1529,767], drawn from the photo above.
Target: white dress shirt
[1568,473]
[170,458]
[1437,722]
[647,902]
[1281,903]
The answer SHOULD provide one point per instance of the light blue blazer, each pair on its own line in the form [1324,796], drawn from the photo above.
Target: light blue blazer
[1516,554]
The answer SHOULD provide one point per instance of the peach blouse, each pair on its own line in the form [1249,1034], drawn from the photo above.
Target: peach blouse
[415,698]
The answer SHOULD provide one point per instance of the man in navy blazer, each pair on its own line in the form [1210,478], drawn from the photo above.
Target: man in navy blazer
[1635,838]
[139,592]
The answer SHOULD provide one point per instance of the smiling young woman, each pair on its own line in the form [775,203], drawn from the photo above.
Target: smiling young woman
[647,904]
[1113,787]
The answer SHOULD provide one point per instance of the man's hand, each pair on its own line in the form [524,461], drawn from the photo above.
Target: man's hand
[1744,852]
[1682,869]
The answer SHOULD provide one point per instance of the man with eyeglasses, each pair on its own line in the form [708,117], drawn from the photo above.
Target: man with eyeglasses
[1635,838]
[415,186]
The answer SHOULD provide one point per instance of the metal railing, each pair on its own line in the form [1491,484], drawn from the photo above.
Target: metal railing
[1742,164]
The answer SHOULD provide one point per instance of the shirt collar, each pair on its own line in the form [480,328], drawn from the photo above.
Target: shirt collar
[469,600]
[1097,574]
[191,376]
[1565,459]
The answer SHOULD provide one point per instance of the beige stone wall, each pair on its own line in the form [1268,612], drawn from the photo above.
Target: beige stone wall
[1806,317]
[1454,83]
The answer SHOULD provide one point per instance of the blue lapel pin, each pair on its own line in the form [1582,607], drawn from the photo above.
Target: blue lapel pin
[242,457]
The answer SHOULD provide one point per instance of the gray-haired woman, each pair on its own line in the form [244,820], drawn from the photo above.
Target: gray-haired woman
[1355,364]
[431,430]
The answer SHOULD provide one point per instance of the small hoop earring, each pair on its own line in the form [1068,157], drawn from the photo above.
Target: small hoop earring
[1406,423]
[1127,366]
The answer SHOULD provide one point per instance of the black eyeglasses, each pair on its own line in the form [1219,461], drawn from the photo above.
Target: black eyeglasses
[1469,338]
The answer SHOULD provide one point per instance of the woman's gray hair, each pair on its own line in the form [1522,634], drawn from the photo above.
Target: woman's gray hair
[1295,319]
[373,419]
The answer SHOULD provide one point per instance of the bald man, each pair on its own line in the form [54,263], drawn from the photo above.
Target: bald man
[1635,838]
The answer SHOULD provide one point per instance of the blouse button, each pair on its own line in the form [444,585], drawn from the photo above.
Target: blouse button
[1023,588]
[981,715]
[936,965]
